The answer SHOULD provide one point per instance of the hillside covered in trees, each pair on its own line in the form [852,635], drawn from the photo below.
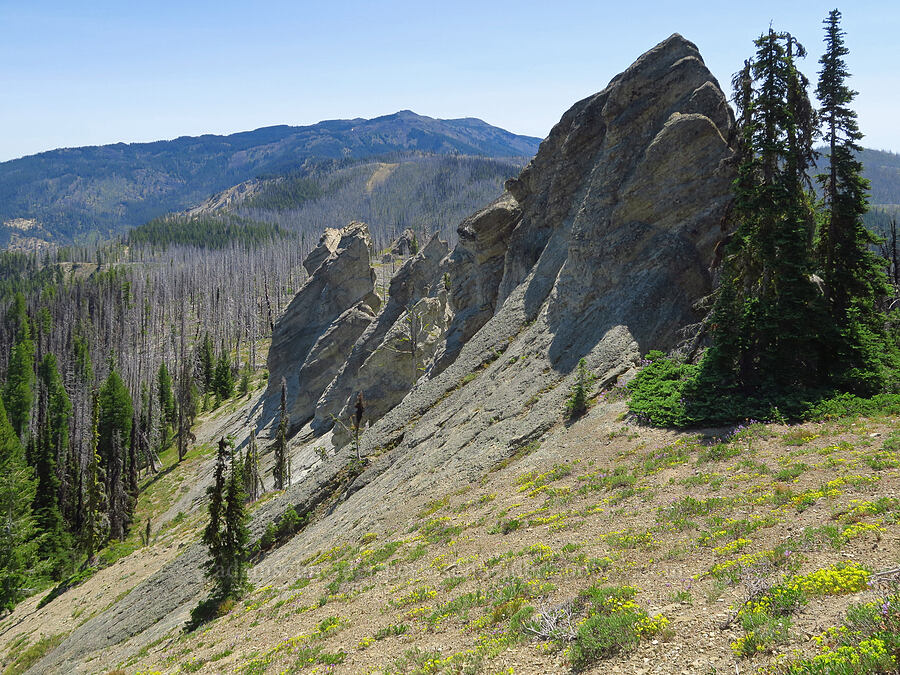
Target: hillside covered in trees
[424,193]
[78,193]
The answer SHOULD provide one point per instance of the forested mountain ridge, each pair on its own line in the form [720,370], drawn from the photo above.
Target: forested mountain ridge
[882,168]
[99,190]
[424,192]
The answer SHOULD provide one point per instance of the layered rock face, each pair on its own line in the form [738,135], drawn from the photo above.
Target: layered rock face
[624,203]
[599,250]
[332,328]
[328,244]
[417,278]
[393,368]
[606,238]
[313,337]
[476,268]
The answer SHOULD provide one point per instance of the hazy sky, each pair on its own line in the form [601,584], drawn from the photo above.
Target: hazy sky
[84,73]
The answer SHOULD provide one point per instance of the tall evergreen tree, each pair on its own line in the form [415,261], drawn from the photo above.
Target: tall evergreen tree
[207,362]
[235,536]
[16,495]
[223,379]
[50,446]
[854,276]
[81,354]
[59,407]
[18,393]
[115,420]
[166,401]
[186,406]
[95,517]
[253,484]
[280,470]
[766,318]
[226,536]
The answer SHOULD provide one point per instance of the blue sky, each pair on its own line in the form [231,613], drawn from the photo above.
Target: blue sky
[85,73]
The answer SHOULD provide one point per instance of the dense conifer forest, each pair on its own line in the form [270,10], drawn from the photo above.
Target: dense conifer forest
[108,356]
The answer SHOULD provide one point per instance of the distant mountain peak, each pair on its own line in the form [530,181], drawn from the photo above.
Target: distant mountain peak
[102,190]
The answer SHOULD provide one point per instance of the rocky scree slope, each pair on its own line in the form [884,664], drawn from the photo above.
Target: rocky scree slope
[600,249]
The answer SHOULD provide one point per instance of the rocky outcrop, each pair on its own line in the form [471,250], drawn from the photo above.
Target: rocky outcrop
[476,268]
[615,220]
[341,282]
[405,244]
[402,357]
[327,357]
[328,244]
[607,239]
[418,277]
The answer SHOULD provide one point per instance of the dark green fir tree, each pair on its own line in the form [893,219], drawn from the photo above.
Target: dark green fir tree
[226,537]
[17,491]
[855,282]
[766,321]
[166,401]
[18,393]
[223,379]
[50,445]
[115,420]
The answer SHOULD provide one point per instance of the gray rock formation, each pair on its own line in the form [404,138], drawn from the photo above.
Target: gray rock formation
[614,227]
[328,244]
[392,369]
[342,281]
[475,268]
[617,215]
[327,357]
[419,276]
[404,244]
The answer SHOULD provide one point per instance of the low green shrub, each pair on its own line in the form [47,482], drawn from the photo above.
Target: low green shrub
[667,392]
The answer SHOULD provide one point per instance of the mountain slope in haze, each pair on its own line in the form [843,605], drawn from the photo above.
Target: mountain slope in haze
[100,190]
[427,193]
[882,168]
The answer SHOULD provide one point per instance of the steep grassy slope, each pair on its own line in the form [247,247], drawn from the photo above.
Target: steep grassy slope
[688,527]
[74,192]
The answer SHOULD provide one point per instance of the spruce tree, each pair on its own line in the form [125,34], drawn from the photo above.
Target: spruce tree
[166,402]
[223,380]
[767,314]
[115,421]
[207,362]
[50,446]
[235,535]
[17,491]
[186,409]
[226,537]
[18,393]
[95,519]
[51,539]
[280,469]
[854,276]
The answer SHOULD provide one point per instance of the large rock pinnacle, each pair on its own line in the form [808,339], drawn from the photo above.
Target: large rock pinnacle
[340,281]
